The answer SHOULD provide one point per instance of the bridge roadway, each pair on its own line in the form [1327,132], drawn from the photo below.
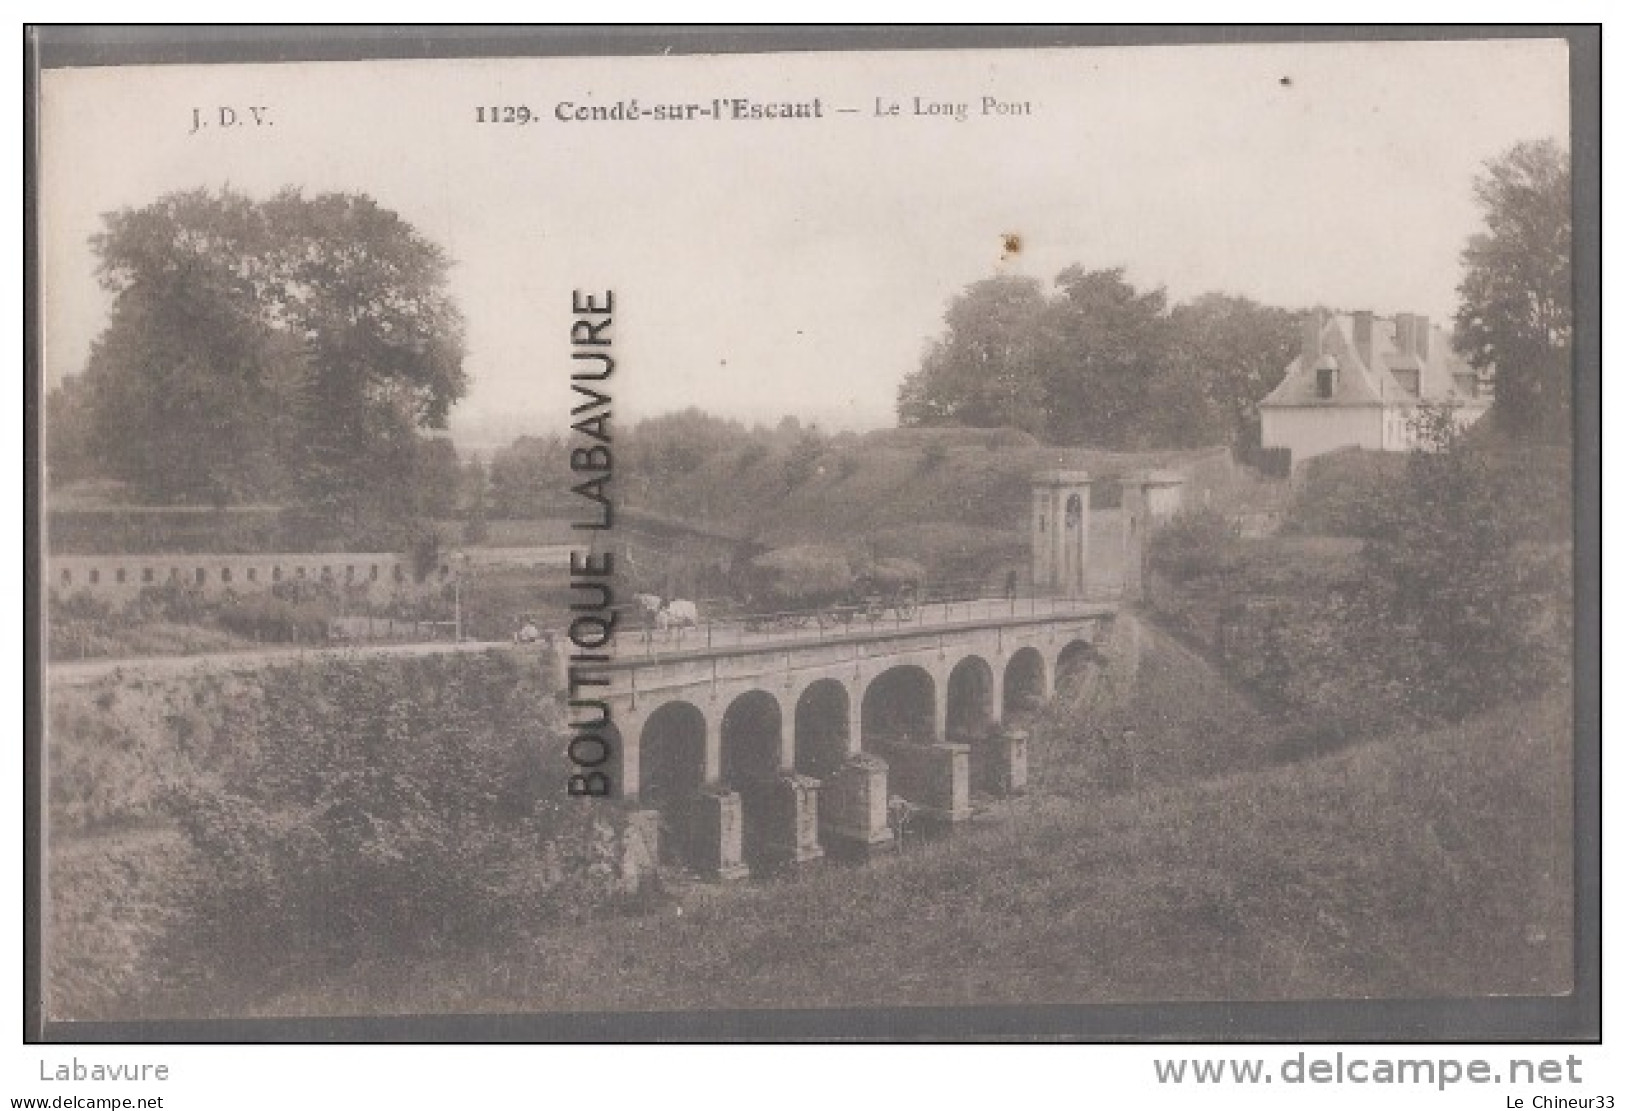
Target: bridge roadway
[731,632]
[753,747]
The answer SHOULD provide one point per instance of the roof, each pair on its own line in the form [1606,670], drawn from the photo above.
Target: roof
[1359,384]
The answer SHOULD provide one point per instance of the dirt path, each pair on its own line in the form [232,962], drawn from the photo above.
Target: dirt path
[149,667]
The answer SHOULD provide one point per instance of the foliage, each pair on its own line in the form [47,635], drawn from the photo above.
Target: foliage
[1517,313]
[266,618]
[1196,542]
[934,455]
[1239,351]
[1339,490]
[802,461]
[424,546]
[476,502]
[401,807]
[667,447]
[1100,362]
[528,477]
[173,600]
[988,369]
[69,449]
[1457,598]
[1475,614]
[263,349]
[1417,865]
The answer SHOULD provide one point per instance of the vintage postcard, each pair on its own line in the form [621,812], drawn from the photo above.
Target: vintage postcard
[938,542]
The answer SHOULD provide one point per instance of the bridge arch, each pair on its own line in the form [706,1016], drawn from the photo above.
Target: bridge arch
[972,705]
[752,734]
[1027,682]
[752,738]
[898,704]
[823,723]
[1076,660]
[671,755]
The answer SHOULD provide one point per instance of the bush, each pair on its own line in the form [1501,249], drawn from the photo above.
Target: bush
[397,807]
[174,600]
[1474,612]
[751,456]
[933,455]
[1340,490]
[1195,542]
[802,462]
[268,618]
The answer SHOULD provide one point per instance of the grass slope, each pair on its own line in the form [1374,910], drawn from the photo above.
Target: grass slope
[885,480]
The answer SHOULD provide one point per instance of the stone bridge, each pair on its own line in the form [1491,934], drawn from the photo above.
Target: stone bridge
[755,755]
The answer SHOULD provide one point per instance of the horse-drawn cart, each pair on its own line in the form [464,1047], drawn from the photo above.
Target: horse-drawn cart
[790,588]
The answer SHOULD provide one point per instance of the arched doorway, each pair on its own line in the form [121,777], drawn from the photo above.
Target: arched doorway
[1072,545]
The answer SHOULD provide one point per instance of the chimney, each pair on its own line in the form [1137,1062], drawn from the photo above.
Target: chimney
[1362,336]
[1405,333]
[1423,337]
[1313,323]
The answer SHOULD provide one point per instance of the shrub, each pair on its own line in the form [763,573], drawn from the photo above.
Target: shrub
[174,600]
[398,807]
[1339,491]
[933,455]
[751,456]
[1195,542]
[268,618]
[802,462]
[1474,612]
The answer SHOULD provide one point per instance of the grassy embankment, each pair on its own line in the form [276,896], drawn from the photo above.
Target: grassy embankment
[955,500]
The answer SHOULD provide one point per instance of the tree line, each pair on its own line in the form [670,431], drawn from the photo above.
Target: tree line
[1101,362]
[1098,361]
[289,350]
[303,350]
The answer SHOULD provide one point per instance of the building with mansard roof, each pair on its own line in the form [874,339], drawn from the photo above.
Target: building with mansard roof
[1358,379]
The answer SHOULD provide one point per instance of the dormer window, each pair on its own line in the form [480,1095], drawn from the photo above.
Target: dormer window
[1326,376]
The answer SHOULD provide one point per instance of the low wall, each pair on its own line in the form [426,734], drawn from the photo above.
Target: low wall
[120,578]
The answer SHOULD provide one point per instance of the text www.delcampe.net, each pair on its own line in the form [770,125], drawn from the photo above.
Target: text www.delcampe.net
[1346,1069]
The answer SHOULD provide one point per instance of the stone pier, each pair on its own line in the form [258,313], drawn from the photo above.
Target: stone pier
[934,777]
[852,811]
[716,835]
[999,762]
[781,822]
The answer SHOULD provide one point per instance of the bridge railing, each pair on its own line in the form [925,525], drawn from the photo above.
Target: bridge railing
[846,621]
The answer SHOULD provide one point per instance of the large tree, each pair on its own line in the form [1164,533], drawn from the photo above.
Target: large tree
[987,370]
[1516,312]
[1111,363]
[1238,351]
[259,349]
[1100,362]
[1460,608]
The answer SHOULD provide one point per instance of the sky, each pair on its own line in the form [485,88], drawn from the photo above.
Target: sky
[799,267]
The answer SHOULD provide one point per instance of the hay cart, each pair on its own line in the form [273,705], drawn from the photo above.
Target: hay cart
[790,588]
